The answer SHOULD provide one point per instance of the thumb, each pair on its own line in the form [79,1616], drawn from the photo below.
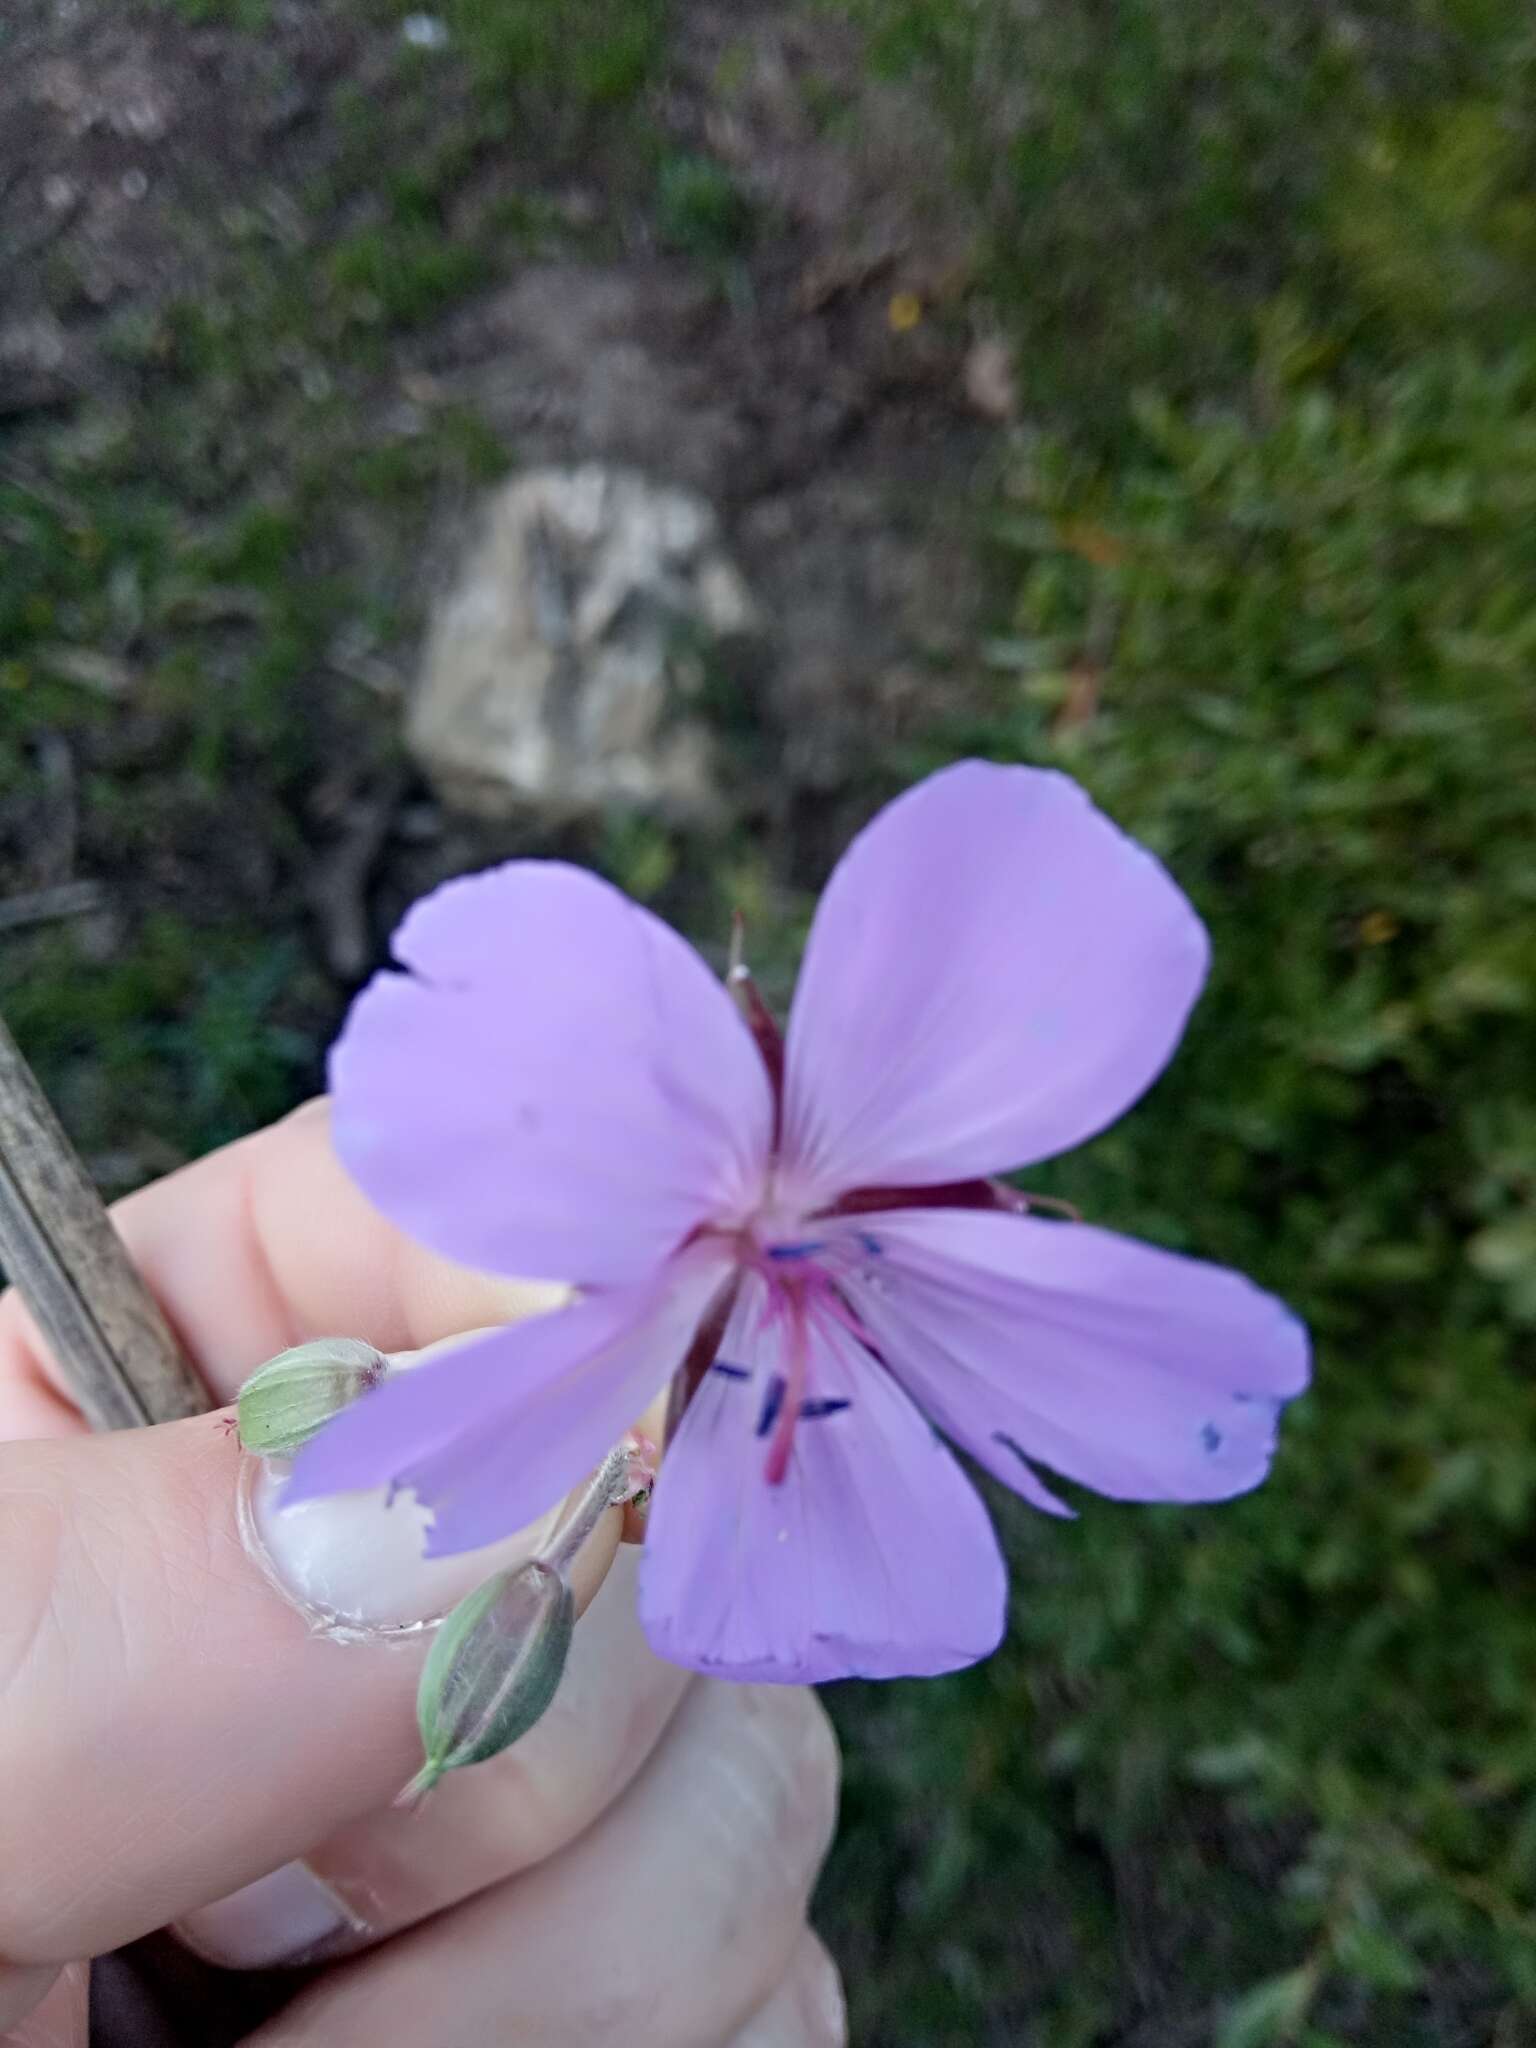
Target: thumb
[170,1727]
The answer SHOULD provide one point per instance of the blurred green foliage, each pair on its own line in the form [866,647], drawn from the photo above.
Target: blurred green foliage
[586,53]
[1313,697]
[180,1047]
[1149,176]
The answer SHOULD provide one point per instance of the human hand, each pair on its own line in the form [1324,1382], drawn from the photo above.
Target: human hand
[172,1730]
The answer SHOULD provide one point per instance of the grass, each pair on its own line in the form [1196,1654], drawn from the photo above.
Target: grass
[1152,179]
[1265,557]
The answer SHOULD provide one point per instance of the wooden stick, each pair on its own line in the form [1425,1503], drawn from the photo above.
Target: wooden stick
[57,1243]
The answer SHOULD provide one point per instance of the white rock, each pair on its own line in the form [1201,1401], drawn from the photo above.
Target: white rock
[564,670]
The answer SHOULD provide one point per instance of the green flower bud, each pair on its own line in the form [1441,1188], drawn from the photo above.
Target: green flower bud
[493,1670]
[293,1396]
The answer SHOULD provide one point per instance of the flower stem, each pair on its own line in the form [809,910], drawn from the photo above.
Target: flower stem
[606,1489]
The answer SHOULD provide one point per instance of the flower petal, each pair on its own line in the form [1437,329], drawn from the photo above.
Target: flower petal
[995,972]
[1142,1374]
[558,1087]
[873,1558]
[490,1435]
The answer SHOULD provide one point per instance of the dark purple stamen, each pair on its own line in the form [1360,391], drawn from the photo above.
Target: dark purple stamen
[807,1250]
[732,1372]
[953,1194]
[773,1401]
[1210,1437]
[759,1019]
[813,1411]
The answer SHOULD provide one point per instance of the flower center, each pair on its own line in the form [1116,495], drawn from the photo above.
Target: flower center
[799,1272]
[795,1248]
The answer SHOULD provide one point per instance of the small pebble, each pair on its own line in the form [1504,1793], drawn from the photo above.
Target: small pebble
[425,32]
[989,379]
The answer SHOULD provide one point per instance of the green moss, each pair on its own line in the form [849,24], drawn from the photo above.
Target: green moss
[253,15]
[193,1036]
[588,54]
[403,274]
[700,211]
[452,441]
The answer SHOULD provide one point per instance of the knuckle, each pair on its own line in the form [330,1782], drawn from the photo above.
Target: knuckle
[820,1770]
[32,1528]
[798,1762]
[21,1991]
[822,2006]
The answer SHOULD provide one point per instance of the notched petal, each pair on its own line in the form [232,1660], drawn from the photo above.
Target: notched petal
[994,973]
[557,1088]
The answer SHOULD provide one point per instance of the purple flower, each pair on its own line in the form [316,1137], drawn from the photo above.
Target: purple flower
[557,1085]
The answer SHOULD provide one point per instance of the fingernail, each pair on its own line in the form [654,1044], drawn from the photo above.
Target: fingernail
[282,1918]
[353,1563]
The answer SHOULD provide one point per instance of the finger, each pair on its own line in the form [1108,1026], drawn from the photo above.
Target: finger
[170,1728]
[393,1868]
[22,1991]
[806,2011]
[664,1926]
[27,1406]
[62,2018]
[261,1246]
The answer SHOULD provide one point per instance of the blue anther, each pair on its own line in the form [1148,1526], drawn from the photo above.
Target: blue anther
[773,1401]
[813,1411]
